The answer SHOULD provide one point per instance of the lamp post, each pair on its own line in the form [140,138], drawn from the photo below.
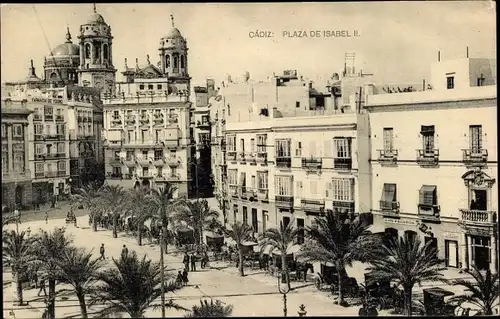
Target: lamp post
[162,274]
[283,288]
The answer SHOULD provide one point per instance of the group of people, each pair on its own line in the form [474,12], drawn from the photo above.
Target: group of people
[191,259]
[102,252]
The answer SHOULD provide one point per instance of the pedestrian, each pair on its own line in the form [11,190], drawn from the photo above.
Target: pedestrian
[193,262]
[185,261]
[102,253]
[185,277]
[42,287]
[18,215]
[180,279]
[46,217]
[204,260]
[28,231]
[124,251]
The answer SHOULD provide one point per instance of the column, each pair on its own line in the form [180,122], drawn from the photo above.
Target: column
[493,261]
[466,252]
[11,151]
[26,147]
[102,53]
[463,251]
[469,249]
[82,55]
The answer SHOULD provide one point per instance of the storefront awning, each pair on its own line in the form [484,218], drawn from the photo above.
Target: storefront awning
[427,194]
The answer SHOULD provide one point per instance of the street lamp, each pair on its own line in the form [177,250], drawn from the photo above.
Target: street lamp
[162,274]
[302,311]
[283,288]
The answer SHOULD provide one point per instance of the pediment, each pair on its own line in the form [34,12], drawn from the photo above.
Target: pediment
[149,71]
[478,178]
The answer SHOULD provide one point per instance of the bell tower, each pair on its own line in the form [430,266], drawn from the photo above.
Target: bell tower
[173,52]
[96,56]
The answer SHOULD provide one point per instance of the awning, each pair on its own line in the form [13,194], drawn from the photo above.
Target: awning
[427,195]
[427,129]
[439,292]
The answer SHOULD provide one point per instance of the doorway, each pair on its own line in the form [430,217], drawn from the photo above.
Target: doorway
[481,252]
[433,246]
[19,196]
[286,221]
[264,220]
[390,235]
[479,201]
[301,232]
[255,223]
[451,253]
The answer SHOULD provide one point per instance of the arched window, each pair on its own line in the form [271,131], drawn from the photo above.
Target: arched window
[105,52]
[87,51]
[176,62]
[167,61]
[97,51]
[53,76]
[182,62]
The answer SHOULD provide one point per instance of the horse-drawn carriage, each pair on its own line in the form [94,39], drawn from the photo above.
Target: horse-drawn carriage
[329,276]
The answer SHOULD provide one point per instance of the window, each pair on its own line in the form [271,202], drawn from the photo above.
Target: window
[480,81]
[475,138]
[38,129]
[131,136]
[18,130]
[389,197]
[261,143]
[61,166]
[297,104]
[204,119]
[182,61]
[342,147]
[60,129]
[301,231]
[105,52]
[58,112]
[388,139]
[39,167]
[18,162]
[116,114]
[39,148]
[428,195]
[61,148]
[4,130]
[141,87]
[89,129]
[87,51]
[158,87]
[245,215]
[242,145]
[143,135]
[298,150]
[255,223]
[144,154]
[231,143]
[282,148]
[450,82]
[284,186]
[150,86]
[427,133]
[158,155]
[254,182]
[243,179]
[342,189]
[232,176]
[252,145]
[262,180]
[130,155]
[49,111]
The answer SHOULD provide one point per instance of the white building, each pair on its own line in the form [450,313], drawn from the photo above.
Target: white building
[434,162]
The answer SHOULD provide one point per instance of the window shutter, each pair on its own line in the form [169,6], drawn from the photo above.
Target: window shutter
[327,150]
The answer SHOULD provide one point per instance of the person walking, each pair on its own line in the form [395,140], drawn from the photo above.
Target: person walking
[193,262]
[18,215]
[42,287]
[185,277]
[124,251]
[185,261]
[46,217]
[180,279]
[102,251]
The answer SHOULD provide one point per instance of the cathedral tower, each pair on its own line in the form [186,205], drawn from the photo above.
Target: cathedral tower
[96,55]
[173,55]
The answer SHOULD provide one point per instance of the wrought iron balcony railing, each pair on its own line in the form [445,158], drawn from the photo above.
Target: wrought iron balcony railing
[428,157]
[342,163]
[283,161]
[475,157]
[387,156]
[312,162]
[481,217]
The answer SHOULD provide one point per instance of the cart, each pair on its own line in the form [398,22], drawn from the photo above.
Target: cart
[434,302]
[328,275]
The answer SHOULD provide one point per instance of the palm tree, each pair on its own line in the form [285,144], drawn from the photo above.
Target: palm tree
[205,310]
[407,262]
[7,219]
[340,240]
[131,286]
[50,249]
[240,233]
[114,199]
[139,204]
[17,253]
[163,207]
[89,197]
[80,271]
[280,239]
[483,291]
[198,215]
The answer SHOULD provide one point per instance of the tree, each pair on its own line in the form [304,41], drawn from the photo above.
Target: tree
[114,200]
[483,291]
[407,262]
[163,206]
[17,253]
[205,310]
[50,248]
[240,233]
[221,196]
[8,218]
[131,286]
[77,268]
[198,215]
[280,239]
[340,240]
[139,203]
[90,197]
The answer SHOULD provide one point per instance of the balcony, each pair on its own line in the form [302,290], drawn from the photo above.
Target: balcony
[283,162]
[116,120]
[49,117]
[50,174]
[40,156]
[344,164]
[203,125]
[158,161]
[283,201]
[52,136]
[263,194]
[144,162]
[251,158]
[248,193]
[173,161]
[343,206]
[231,156]
[262,157]
[428,158]
[39,137]
[478,217]
[313,205]
[129,161]
[475,157]
[172,144]
[387,157]
[37,117]
[429,213]
[233,191]
[389,208]
[242,157]
[39,175]
[59,118]
[16,176]
[312,163]
[115,162]
[61,173]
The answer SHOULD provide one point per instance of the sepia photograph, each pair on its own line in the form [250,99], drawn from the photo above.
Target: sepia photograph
[249,159]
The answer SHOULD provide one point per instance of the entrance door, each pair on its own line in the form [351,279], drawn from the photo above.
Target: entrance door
[19,196]
[451,252]
[300,235]
[433,246]
[286,221]
[255,223]
[481,252]
[264,220]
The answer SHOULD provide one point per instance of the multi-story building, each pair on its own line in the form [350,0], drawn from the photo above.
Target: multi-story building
[434,162]
[147,126]
[200,125]
[292,152]
[16,177]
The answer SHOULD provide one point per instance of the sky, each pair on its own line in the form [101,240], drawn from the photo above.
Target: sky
[397,41]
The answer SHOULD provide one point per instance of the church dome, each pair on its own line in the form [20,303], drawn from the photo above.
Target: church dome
[66,49]
[173,34]
[95,18]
